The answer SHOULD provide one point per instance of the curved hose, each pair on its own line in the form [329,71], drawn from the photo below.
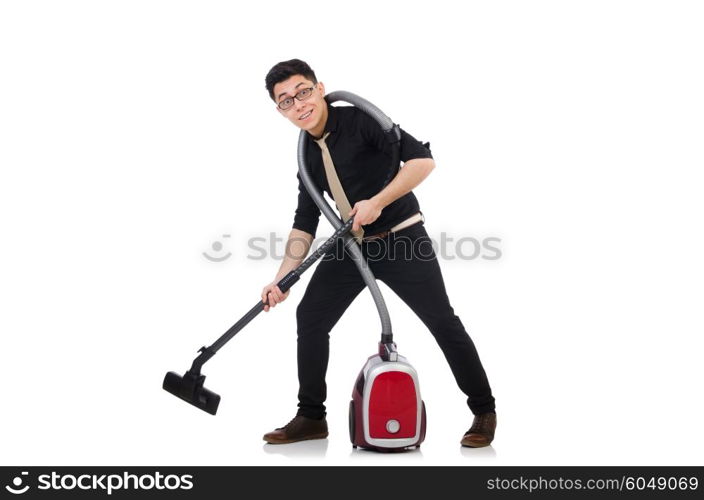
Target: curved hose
[394,137]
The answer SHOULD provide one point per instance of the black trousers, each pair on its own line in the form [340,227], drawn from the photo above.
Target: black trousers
[406,263]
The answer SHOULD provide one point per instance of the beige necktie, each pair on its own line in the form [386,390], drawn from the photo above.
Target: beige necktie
[338,194]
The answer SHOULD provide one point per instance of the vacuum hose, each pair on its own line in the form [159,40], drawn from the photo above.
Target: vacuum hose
[394,136]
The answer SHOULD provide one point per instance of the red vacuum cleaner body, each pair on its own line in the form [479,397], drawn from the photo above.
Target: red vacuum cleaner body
[386,411]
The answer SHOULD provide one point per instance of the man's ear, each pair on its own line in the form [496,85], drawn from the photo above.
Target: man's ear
[322,87]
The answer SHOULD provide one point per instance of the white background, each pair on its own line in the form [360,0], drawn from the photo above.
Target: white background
[133,135]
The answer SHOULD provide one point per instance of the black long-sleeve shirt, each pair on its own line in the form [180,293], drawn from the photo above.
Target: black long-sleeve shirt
[362,157]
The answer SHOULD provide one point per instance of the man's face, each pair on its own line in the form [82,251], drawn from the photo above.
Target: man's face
[310,114]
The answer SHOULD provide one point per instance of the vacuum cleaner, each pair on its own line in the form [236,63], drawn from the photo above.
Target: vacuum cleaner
[386,412]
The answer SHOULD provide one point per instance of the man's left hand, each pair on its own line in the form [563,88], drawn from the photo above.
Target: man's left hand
[364,212]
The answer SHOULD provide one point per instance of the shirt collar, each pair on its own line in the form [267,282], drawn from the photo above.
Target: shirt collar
[331,124]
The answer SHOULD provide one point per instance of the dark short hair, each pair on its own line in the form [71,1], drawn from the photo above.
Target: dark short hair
[286,69]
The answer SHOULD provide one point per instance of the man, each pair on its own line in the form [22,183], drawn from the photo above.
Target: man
[359,153]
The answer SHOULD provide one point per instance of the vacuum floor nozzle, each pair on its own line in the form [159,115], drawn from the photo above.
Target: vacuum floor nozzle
[190,388]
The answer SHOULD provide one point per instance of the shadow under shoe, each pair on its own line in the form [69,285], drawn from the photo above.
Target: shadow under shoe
[482,431]
[300,428]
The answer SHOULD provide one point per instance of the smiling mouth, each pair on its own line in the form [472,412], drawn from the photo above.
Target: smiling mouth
[305,115]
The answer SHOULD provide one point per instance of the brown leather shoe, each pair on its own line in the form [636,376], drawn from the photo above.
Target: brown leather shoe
[482,431]
[299,429]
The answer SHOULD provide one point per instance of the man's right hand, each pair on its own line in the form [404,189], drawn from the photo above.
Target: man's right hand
[272,295]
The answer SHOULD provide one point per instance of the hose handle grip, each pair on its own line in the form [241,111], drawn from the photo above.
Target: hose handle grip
[288,281]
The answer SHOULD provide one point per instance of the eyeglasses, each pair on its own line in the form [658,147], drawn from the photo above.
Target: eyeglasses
[301,96]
